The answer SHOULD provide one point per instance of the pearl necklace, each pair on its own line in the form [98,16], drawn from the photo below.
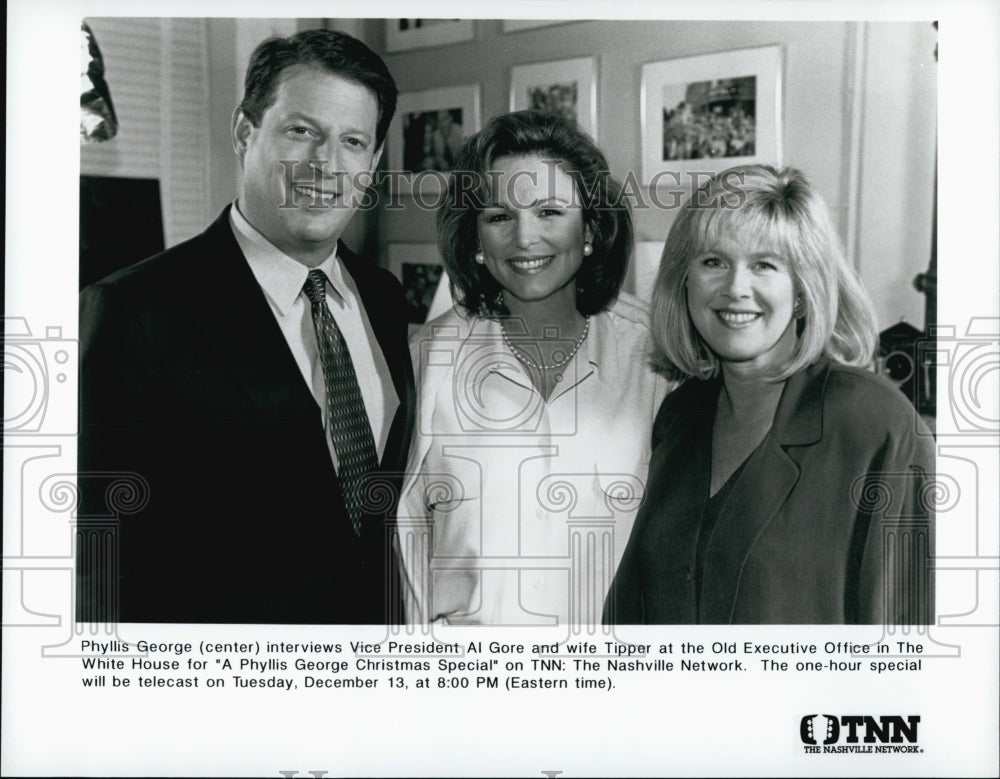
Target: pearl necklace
[524,358]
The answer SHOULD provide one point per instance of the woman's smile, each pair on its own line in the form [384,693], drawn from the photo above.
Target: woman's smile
[530,265]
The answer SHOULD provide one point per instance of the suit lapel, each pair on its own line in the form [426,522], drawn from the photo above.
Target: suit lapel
[689,464]
[384,310]
[248,339]
[681,463]
[384,323]
[246,335]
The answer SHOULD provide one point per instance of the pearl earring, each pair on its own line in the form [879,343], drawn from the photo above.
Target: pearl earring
[480,257]
[588,248]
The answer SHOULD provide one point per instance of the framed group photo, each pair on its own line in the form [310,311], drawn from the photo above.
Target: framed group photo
[428,133]
[711,111]
[420,270]
[405,34]
[567,87]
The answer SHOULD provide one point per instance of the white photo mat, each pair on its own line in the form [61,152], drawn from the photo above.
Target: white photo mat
[465,98]
[581,72]
[663,88]
[439,32]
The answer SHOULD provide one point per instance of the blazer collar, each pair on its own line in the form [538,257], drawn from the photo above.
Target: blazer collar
[798,420]
[247,330]
[384,307]
[770,475]
[243,329]
[389,331]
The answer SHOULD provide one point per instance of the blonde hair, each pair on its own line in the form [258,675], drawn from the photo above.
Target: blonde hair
[780,209]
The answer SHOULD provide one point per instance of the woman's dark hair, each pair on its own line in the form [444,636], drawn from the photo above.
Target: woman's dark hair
[605,212]
[328,50]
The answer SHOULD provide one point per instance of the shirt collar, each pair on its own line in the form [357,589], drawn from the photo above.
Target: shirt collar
[280,276]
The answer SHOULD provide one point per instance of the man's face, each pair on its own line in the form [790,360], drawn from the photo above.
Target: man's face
[325,125]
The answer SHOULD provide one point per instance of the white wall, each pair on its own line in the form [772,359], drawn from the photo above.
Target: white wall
[897,167]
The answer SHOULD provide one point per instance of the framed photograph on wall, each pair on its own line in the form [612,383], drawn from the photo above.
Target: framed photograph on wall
[567,87]
[419,268]
[426,136]
[404,34]
[710,112]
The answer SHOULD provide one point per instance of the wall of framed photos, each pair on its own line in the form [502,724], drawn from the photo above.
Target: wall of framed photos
[857,108]
[857,113]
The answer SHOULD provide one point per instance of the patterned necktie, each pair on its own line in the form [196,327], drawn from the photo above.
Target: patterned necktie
[349,429]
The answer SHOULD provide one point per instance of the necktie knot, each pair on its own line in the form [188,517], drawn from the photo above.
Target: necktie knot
[315,287]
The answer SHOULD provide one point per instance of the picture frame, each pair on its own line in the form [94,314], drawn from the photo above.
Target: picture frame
[406,34]
[710,112]
[420,270]
[567,86]
[426,136]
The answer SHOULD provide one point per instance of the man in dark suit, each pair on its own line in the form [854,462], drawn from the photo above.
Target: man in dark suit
[250,390]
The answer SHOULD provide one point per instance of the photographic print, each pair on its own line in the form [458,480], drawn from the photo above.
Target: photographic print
[431,139]
[564,87]
[859,105]
[420,283]
[419,268]
[711,111]
[404,34]
[429,132]
[709,119]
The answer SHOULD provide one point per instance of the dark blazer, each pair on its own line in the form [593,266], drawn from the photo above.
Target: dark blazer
[827,523]
[227,507]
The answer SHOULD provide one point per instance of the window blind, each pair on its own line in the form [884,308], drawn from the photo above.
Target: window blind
[157,71]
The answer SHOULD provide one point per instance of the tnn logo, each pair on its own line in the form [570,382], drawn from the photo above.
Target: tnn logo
[889,729]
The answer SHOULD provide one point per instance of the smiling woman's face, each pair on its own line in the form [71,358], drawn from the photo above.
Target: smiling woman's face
[532,234]
[741,297]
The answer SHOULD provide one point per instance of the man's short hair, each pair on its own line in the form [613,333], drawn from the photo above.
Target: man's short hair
[328,50]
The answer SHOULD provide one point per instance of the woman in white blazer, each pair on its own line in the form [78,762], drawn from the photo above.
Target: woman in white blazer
[536,393]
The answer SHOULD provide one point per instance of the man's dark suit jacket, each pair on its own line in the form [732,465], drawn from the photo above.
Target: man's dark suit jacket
[191,399]
[828,523]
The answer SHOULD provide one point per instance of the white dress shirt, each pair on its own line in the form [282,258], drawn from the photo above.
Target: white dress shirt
[516,509]
[282,279]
